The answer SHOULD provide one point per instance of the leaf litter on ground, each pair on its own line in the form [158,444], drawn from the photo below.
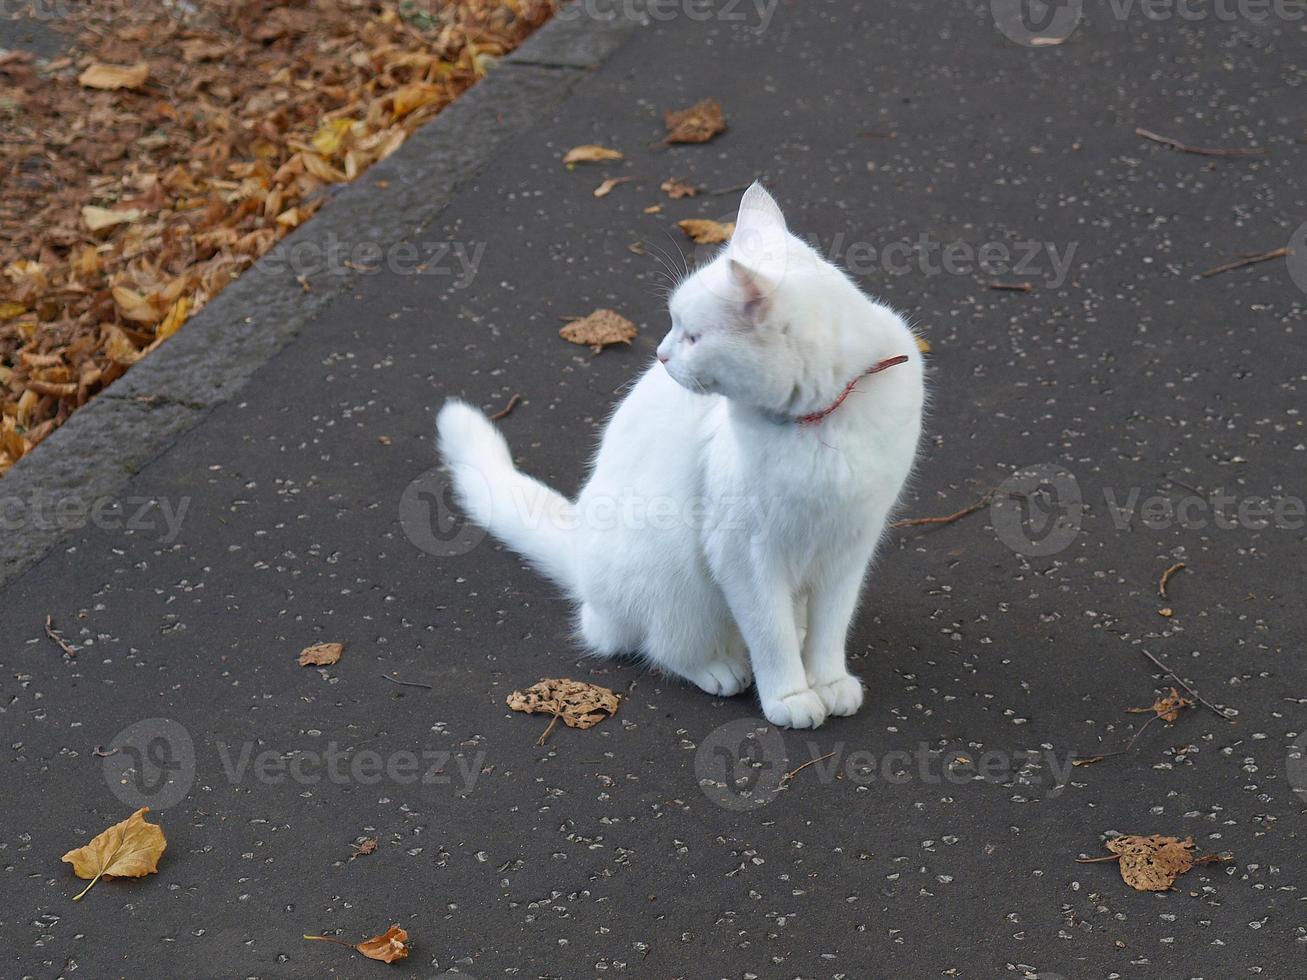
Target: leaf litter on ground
[696,124]
[599,329]
[579,703]
[388,947]
[173,147]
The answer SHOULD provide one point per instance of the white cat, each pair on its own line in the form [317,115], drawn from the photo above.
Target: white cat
[740,488]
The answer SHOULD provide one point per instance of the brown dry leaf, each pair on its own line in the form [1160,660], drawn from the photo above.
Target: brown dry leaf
[591,153]
[606,188]
[321,654]
[599,329]
[923,345]
[579,704]
[697,124]
[97,219]
[102,76]
[705,232]
[1151,864]
[390,946]
[364,847]
[677,189]
[1167,708]
[130,849]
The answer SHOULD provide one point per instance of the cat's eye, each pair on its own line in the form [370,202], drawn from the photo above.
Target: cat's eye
[690,338]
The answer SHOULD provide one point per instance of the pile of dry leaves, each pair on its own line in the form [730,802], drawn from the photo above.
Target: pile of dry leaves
[177,144]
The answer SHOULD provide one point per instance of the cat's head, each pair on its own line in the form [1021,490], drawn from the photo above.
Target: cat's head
[749,325]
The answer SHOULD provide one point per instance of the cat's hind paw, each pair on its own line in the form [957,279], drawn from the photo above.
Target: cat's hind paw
[803,709]
[723,678]
[842,696]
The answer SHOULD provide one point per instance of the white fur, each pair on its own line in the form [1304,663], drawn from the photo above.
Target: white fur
[717,536]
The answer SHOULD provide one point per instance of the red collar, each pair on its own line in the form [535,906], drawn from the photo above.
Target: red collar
[812,418]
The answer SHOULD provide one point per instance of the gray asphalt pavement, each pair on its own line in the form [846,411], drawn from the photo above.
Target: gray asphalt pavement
[1150,416]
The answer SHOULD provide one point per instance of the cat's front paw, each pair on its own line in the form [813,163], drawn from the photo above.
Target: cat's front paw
[842,696]
[803,709]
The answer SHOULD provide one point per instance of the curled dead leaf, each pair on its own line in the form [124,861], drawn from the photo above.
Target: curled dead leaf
[599,329]
[606,188]
[705,232]
[579,704]
[130,849]
[697,124]
[390,946]
[108,77]
[321,654]
[590,153]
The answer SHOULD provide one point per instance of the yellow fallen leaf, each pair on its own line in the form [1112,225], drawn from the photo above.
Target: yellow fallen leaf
[102,76]
[599,329]
[923,345]
[97,218]
[130,849]
[10,310]
[606,188]
[321,654]
[323,170]
[590,153]
[413,97]
[134,306]
[705,232]
[331,136]
[175,318]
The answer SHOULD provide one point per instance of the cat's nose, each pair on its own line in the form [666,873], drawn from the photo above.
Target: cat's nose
[662,358]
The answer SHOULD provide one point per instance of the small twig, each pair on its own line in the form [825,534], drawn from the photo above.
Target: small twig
[507,409]
[68,649]
[1248,259]
[1196,696]
[100,753]
[1107,857]
[1180,483]
[790,775]
[1089,760]
[396,680]
[1166,577]
[1013,287]
[950,518]
[1202,151]
[545,734]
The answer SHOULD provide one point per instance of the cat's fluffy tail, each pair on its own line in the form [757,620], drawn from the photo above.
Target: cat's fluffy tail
[526,515]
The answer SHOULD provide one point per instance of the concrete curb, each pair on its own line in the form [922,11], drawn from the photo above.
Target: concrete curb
[86,463]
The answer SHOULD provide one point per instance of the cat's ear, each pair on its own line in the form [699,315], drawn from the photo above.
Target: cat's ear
[753,288]
[759,213]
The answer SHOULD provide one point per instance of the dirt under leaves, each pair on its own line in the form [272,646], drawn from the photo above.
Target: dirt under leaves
[169,150]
